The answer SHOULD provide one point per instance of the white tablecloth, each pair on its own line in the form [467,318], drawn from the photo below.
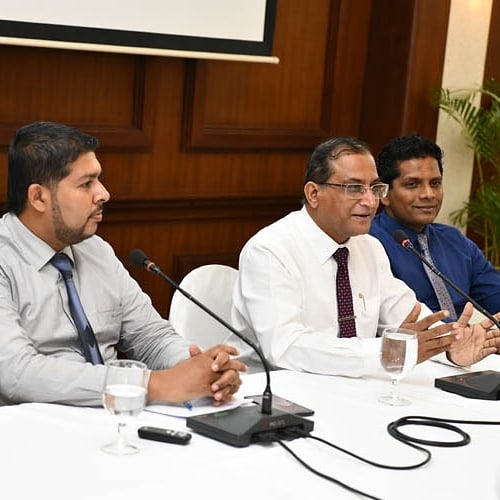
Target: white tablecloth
[53,451]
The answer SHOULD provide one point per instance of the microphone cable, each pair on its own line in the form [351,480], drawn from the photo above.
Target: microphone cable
[323,475]
[393,429]
[352,489]
[138,257]
[443,423]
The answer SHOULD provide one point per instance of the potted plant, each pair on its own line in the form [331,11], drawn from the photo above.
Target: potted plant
[480,125]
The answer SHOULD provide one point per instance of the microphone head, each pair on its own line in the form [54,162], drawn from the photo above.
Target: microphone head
[138,258]
[401,237]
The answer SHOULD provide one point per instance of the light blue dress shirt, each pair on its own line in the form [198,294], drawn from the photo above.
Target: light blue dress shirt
[40,354]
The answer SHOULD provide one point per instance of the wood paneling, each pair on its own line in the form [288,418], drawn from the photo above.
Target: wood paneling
[182,234]
[198,156]
[492,63]
[102,93]
[290,106]
[405,63]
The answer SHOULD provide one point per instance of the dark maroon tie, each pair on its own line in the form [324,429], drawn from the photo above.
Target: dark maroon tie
[347,323]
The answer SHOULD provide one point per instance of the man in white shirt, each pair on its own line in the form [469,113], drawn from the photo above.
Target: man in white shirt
[285,297]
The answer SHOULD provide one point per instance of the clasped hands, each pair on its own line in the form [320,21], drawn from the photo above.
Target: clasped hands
[463,343]
[206,373]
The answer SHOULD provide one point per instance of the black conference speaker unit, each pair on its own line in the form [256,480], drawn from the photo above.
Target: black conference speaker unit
[477,385]
[262,422]
[247,424]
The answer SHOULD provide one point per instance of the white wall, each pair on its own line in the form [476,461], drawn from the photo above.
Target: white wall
[464,68]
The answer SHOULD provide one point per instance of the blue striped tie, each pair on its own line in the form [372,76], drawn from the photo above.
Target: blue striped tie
[442,293]
[87,337]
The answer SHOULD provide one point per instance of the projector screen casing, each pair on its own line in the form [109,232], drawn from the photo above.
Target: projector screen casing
[231,29]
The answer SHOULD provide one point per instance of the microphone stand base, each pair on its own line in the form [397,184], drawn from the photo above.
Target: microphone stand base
[247,424]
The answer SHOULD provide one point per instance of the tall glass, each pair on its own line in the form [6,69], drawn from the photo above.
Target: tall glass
[124,396]
[398,356]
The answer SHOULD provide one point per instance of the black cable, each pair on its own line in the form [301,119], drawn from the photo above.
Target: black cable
[393,430]
[427,454]
[445,423]
[325,476]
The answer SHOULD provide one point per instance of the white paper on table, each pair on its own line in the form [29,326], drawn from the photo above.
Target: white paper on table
[200,406]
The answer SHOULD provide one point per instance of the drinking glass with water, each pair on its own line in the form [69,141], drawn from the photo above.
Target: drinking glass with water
[124,396]
[398,356]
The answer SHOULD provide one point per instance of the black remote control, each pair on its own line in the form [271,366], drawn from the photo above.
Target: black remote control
[164,435]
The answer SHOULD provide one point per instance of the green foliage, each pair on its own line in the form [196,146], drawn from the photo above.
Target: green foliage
[480,125]
[482,213]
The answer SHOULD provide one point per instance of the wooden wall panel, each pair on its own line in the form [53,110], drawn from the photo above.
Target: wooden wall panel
[290,106]
[405,63]
[181,235]
[198,156]
[103,93]
[492,63]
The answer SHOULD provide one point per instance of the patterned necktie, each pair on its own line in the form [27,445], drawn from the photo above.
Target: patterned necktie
[87,337]
[442,293]
[346,317]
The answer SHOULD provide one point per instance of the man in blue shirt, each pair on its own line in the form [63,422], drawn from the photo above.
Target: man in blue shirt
[412,166]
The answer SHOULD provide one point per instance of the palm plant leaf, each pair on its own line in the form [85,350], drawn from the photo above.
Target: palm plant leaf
[482,214]
[480,125]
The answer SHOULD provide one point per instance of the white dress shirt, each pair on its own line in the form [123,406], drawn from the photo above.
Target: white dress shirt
[285,299]
[40,352]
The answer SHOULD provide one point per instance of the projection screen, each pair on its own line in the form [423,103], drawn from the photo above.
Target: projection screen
[210,29]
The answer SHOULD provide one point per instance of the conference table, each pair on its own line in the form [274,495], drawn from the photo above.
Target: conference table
[53,451]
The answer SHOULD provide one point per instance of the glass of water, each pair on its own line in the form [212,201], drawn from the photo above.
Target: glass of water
[398,356]
[124,396]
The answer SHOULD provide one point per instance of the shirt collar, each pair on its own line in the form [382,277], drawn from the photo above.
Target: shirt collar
[322,246]
[34,249]
[391,225]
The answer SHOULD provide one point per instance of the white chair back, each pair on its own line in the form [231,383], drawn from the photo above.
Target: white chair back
[212,285]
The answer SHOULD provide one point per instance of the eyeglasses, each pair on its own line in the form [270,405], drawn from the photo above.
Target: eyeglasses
[356,191]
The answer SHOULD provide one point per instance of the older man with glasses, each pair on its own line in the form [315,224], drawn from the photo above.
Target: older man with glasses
[315,290]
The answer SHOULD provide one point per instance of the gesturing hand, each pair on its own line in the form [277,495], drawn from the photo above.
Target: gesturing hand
[476,341]
[432,340]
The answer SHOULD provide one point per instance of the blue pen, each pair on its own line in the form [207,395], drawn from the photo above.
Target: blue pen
[188,405]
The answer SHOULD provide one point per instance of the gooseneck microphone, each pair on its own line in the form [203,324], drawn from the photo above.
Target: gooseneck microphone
[483,384]
[139,258]
[402,238]
[241,426]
